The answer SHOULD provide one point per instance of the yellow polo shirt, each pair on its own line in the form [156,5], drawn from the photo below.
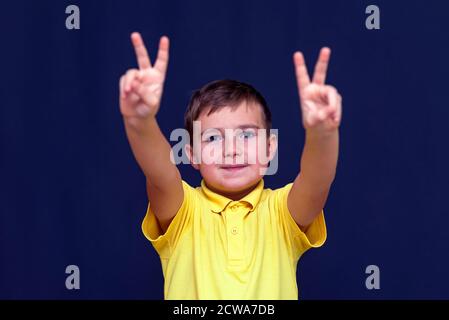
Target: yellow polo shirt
[217,248]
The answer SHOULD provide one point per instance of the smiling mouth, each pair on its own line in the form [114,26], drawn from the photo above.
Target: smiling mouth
[234,167]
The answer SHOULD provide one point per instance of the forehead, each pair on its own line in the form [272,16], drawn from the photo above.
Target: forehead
[233,117]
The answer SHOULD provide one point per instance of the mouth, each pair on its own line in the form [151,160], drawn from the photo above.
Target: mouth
[234,168]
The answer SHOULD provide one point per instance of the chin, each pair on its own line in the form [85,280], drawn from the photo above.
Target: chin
[234,186]
[232,180]
[237,184]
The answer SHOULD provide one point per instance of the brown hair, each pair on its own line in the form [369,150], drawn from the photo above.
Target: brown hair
[223,93]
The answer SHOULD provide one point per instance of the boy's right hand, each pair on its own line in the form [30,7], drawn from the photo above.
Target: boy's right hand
[141,89]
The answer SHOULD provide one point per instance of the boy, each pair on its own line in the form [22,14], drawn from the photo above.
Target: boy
[230,238]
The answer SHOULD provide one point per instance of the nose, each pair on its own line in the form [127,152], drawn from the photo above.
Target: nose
[231,147]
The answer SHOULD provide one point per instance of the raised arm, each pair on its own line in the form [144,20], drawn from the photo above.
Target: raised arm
[321,116]
[140,97]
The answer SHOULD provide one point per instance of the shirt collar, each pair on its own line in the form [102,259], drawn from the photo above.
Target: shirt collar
[219,202]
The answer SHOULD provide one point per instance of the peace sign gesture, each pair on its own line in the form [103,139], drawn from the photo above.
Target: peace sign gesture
[320,103]
[141,89]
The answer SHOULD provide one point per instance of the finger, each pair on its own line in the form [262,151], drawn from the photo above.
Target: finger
[145,93]
[121,89]
[319,75]
[338,112]
[123,93]
[302,76]
[133,97]
[143,59]
[130,96]
[135,84]
[334,110]
[332,96]
[140,75]
[163,55]
[126,87]
[129,77]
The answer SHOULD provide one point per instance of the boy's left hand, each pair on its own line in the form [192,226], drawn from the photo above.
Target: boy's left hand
[320,103]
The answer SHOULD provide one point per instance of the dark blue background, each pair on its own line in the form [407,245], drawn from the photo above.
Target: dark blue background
[72,193]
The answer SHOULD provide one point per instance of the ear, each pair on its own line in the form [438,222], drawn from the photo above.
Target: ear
[272,146]
[189,151]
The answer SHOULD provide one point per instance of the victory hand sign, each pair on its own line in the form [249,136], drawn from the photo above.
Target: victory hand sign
[320,103]
[141,89]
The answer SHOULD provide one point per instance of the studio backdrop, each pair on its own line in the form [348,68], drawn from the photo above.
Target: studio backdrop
[72,196]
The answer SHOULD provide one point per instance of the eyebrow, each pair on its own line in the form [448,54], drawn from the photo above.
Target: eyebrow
[242,126]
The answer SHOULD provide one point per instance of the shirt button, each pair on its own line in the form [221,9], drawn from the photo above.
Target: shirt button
[233,208]
[234,231]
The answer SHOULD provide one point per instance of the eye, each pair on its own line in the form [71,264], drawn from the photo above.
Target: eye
[212,138]
[247,134]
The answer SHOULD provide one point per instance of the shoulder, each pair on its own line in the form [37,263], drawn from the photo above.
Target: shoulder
[276,194]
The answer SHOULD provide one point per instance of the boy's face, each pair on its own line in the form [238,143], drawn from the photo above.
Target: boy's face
[234,151]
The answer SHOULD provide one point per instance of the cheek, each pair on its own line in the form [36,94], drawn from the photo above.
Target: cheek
[211,153]
[256,151]
[209,172]
[251,148]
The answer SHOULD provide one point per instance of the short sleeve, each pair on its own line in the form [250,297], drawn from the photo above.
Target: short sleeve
[299,241]
[164,243]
